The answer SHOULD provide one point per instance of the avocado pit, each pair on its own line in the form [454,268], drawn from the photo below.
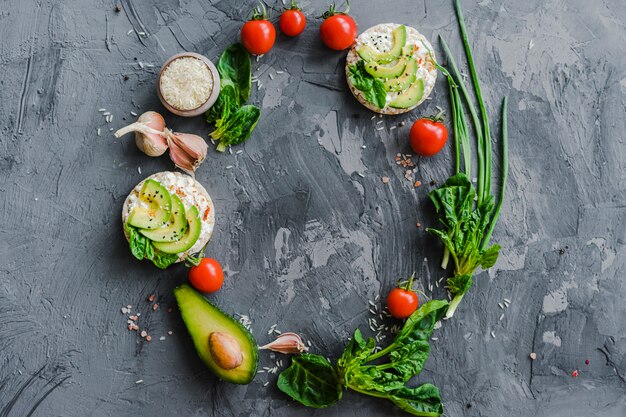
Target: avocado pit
[225,350]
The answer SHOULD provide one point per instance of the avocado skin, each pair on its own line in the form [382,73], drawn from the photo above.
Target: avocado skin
[201,318]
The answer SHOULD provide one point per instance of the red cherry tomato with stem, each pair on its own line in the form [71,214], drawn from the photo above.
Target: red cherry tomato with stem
[402,301]
[428,135]
[338,30]
[207,275]
[292,20]
[258,34]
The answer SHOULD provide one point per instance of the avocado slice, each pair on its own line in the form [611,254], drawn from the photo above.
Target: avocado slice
[172,231]
[399,39]
[409,97]
[188,239]
[405,80]
[204,321]
[377,70]
[154,206]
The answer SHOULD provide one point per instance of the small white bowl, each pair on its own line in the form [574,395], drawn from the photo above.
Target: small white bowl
[214,93]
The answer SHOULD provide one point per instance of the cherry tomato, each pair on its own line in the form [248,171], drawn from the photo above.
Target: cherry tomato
[338,30]
[258,35]
[428,135]
[207,276]
[402,301]
[292,21]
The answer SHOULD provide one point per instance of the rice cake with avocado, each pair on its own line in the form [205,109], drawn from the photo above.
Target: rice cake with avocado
[190,193]
[388,52]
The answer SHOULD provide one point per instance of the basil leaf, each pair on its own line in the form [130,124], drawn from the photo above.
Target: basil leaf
[311,380]
[421,401]
[234,64]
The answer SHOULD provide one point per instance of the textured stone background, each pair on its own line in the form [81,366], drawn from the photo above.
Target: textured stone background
[305,240]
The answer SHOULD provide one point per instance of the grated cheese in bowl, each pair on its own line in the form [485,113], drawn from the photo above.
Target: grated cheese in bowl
[186,83]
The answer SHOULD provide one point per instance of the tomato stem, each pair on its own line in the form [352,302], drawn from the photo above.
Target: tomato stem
[259,12]
[409,284]
[332,10]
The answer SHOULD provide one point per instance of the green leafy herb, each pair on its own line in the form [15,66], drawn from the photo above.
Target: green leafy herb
[234,121]
[311,380]
[468,216]
[141,247]
[234,65]
[314,382]
[237,127]
[373,88]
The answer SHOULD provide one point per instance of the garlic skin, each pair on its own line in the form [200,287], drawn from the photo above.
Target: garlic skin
[287,343]
[148,130]
[187,151]
[225,350]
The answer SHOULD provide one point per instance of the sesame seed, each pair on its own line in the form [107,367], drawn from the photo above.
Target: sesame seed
[493,334]
[139,381]
[506,300]
[132,113]
[501,317]
[271,76]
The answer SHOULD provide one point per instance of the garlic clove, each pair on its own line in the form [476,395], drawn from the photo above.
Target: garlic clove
[194,145]
[287,343]
[187,151]
[225,350]
[181,158]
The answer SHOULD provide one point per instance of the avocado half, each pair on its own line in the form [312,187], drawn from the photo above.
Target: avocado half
[202,318]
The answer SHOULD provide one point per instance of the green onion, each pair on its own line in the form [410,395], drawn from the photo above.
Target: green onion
[505,171]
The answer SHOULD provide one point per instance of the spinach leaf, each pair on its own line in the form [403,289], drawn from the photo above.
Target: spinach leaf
[234,121]
[227,102]
[163,260]
[314,382]
[234,64]
[379,94]
[359,78]
[142,248]
[237,127]
[373,88]
[463,233]
[421,401]
[138,243]
[311,380]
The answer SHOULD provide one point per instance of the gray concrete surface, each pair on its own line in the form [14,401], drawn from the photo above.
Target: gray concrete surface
[305,239]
